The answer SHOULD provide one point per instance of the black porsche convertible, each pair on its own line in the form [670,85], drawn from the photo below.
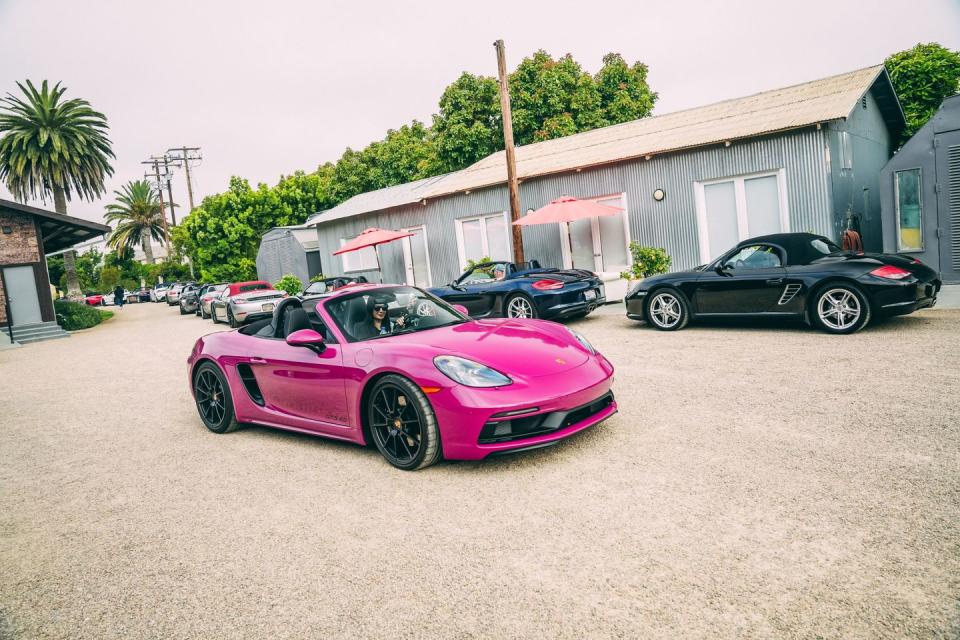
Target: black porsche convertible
[509,290]
[790,275]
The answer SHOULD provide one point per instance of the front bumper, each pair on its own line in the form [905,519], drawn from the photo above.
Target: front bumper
[558,406]
[635,306]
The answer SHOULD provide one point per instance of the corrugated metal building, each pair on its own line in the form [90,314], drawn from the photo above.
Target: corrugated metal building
[693,182]
[920,194]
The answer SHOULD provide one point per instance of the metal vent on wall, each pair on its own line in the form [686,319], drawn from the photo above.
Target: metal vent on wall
[953,203]
[789,292]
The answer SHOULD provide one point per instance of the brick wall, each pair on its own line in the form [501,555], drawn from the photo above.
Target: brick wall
[17,247]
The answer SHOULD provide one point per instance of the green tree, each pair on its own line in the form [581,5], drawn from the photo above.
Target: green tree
[53,147]
[624,92]
[138,216]
[469,125]
[922,77]
[55,268]
[109,278]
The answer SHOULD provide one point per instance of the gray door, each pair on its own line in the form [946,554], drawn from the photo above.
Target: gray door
[948,204]
[22,294]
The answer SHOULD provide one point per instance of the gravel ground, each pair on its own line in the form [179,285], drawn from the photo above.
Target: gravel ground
[759,481]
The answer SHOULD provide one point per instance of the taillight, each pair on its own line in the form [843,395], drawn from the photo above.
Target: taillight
[890,272]
[547,285]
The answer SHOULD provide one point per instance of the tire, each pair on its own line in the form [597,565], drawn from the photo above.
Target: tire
[519,306]
[213,314]
[404,431]
[212,396]
[183,311]
[667,309]
[839,308]
[231,320]
[203,314]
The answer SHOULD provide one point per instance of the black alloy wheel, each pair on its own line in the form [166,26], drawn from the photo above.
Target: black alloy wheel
[213,314]
[230,319]
[402,424]
[212,394]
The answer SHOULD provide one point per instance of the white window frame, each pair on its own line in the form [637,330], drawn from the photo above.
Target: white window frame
[364,265]
[566,250]
[896,207]
[408,255]
[740,193]
[461,254]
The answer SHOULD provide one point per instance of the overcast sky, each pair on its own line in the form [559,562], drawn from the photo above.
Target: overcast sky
[269,87]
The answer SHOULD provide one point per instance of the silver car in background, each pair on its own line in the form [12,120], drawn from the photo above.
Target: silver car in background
[206,298]
[159,292]
[245,306]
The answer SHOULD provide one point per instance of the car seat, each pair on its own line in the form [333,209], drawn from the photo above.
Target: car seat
[356,315]
[296,319]
[280,314]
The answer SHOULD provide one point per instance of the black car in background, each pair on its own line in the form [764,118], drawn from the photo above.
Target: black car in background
[190,298]
[330,284]
[788,275]
[507,290]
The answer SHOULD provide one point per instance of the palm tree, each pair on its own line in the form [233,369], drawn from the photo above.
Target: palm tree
[139,218]
[53,147]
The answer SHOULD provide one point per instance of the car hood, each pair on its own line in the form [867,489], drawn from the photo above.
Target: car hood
[526,348]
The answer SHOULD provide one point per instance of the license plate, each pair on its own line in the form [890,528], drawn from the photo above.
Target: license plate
[267,307]
[590,294]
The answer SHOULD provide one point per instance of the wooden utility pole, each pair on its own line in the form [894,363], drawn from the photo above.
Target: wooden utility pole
[159,183]
[167,177]
[185,155]
[511,156]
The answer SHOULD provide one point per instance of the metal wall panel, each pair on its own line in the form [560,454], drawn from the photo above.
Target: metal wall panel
[671,223]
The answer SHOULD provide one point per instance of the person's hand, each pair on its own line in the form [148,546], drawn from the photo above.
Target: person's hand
[400,321]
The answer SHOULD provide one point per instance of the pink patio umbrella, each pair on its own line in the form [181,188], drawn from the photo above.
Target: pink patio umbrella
[371,238]
[567,209]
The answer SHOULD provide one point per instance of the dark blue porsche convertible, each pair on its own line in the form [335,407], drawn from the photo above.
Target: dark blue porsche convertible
[505,289]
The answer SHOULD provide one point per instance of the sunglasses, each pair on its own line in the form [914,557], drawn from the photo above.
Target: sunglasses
[379,307]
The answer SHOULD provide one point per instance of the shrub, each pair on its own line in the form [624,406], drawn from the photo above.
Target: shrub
[647,261]
[472,264]
[73,316]
[289,283]
[318,278]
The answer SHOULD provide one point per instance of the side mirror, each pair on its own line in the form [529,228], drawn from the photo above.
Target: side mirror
[455,286]
[723,269]
[307,338]
[462,309]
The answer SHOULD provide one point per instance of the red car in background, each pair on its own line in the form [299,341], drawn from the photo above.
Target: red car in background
[94,299]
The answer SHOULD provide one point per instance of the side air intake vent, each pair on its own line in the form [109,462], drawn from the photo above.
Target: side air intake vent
[250,383]
[788,293]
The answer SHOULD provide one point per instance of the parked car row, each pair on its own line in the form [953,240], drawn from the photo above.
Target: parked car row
[105,299]
[236,303]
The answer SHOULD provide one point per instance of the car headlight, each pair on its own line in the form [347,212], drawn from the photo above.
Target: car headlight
[586,343]
[470,373]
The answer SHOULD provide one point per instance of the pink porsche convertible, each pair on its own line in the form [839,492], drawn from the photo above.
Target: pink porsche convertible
[400,368]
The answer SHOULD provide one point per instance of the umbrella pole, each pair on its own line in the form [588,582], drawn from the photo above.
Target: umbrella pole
[376,252]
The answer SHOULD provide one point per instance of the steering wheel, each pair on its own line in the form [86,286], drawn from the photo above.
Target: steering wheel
[425,308]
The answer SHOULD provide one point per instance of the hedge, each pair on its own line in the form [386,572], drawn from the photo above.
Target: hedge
[75,315]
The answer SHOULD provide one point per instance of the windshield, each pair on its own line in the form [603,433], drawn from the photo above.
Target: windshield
[317,287]
[389,311]
[254,287]
[824,246]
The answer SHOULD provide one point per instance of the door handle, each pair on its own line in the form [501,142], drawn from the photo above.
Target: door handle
[258,361]
[775,281]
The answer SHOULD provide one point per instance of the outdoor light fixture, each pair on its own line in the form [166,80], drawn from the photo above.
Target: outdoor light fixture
[7,229]
[659,195]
